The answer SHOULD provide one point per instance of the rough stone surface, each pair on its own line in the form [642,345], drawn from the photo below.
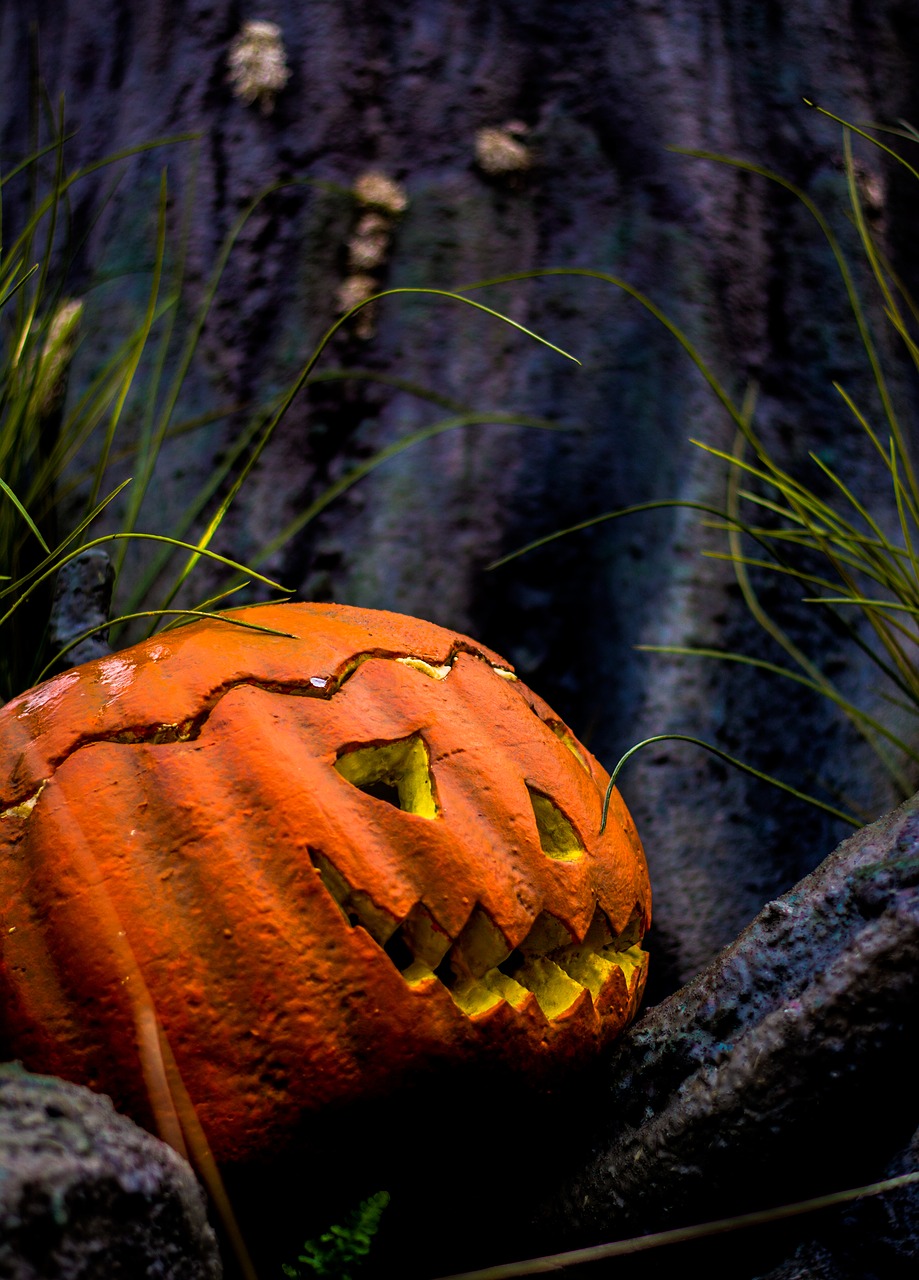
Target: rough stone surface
[404,86]
[86,1195]
[877,1236]
[82,599]
[784,1071]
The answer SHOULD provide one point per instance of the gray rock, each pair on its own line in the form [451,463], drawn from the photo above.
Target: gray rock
[784,1071]
[82,599]
[87,1195]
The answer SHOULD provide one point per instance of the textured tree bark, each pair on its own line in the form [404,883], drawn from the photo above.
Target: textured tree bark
[605,87]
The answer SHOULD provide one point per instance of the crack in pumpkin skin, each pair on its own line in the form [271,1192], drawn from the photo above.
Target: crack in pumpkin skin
[471,936]
[35,707]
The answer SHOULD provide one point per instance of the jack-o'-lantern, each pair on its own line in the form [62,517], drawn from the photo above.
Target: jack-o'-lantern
[296,867]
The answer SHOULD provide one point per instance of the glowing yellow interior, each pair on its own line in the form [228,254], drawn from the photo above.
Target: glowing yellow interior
[481,945]
[401,765]
[567,740]
[424,937]
[419,664]
[25,808]
[557,836]
[551,985]
[474,997]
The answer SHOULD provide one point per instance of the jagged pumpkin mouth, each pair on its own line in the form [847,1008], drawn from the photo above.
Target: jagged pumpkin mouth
[481,970]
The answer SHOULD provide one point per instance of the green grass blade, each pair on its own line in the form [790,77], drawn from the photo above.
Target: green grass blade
[152,537]
[657,505]
[820,686]
[53,558]
[11,290]
[22,511]
[157,614]
[137,347]
[759,614]
[732,760]
[877,271]
[875,142]
[642,299]
[302,380]
[193,513]
[385,455]
[470,302]
[902,499]
[864,603]
[187,355]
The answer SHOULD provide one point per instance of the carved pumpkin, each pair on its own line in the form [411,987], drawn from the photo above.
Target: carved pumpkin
[312,863]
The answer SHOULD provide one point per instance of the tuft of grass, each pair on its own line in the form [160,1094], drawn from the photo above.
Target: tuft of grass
[43,433]
[817,533]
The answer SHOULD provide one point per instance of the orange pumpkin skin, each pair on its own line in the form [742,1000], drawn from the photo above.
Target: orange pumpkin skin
[322,861]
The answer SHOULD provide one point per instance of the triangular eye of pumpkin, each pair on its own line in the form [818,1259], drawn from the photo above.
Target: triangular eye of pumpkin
[557,836]
[397,772]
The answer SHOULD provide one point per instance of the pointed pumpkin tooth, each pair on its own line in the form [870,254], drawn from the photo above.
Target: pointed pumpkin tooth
[357,907]
[625,971]
[424,936]
[552,987]
[378,923]
[599,935]
[480,946]
[631,934]
[474,997]
[546,934]
[628,961]
[589,969]
[507,988]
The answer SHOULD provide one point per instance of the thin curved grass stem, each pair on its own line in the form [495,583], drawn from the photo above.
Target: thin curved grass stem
[202,1158]
[751,599]
[302,380]
[657,505]
[825,689]
[558,1262]
[728,759]
[25,515]
[639,297]
[357,473]
[159,614]
[138,347]
[153,537]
